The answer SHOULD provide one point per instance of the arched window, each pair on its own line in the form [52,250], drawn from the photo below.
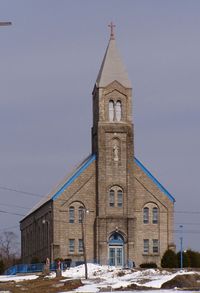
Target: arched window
[155,215]
[118,111]
[146,215]
[116,239]
[71,214]
[116,197]
[80,214]
[111,110]
[120,198]
[112,198]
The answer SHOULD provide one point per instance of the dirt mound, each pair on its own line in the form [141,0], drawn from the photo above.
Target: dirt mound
[134,286]
[183,281]
[41,284]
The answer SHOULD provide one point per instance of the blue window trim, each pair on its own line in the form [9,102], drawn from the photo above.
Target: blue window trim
[160,186]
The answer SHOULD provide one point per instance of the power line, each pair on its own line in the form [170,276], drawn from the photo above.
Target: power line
[5,23]
[10,213]
[14,206]
[182,223]
[187,212]
[20,191]
[9,228]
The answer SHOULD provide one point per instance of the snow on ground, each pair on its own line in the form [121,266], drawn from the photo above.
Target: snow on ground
[113,278]
[5,278]
[157,282]
[108,277]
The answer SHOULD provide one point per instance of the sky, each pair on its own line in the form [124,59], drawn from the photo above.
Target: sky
[49,61]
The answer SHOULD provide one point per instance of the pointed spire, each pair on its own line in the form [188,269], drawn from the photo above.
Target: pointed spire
[112,67]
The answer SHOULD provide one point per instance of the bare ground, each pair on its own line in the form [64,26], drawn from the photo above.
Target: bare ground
[41,285]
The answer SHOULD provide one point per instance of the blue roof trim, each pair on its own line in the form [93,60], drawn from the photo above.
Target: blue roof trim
[154,180]
[73,178]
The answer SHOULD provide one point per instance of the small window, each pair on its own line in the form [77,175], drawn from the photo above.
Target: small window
[155,215]
[120,198]
[71,215]
[112,198]
[111,110]
[146,215]
[80,245]
[80,214]
[118,111]
[71,245]
[155,246]
[146,246]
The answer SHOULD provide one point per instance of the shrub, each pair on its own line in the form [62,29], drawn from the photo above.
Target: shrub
[35,259]
[169,259]
[58,259]
[2,267]
[186,260]
[148,265]
[194,258]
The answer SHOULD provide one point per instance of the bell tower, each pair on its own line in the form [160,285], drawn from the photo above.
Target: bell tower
[112,141]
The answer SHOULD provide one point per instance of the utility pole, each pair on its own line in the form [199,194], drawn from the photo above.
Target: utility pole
[181,248]
[5,23]
[83,223]
[49,243]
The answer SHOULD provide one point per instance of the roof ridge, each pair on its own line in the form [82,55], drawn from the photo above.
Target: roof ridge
[153,178]
[50,196]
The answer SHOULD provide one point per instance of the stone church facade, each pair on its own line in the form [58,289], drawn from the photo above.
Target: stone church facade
[111,206]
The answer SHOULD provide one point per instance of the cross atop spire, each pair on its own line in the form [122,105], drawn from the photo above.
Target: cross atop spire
[112,35]
[112,67]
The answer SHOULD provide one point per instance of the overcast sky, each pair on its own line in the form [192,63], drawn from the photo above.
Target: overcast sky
[49,60]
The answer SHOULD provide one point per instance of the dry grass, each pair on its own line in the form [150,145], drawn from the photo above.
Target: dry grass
[41,285]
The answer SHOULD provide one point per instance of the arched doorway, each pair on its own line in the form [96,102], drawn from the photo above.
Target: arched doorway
[116,250]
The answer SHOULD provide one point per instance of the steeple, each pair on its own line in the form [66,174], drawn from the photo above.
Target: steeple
[112,67]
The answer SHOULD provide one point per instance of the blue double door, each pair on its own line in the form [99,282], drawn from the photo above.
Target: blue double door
[116,256]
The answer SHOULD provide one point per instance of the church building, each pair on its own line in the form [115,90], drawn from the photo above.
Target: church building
[110,209]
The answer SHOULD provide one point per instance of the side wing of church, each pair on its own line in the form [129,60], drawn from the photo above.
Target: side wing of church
[111,205]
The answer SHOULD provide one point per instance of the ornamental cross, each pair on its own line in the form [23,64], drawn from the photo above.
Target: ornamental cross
[112,35]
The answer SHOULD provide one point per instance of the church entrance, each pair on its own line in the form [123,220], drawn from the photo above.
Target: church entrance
[116,250]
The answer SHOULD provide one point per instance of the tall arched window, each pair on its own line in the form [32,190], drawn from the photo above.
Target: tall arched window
[71,214]
[80,214]
[112,198]
[116,197]
[155,215]
[120,198]
[118,111]
[146,215]
[111,110]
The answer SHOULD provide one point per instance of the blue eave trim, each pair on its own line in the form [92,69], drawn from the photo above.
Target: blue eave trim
[162,188]
[73,178]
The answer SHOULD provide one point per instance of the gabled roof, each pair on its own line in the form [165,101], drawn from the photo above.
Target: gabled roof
[159,185]
[76,174]
[68,180]
[112,68]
